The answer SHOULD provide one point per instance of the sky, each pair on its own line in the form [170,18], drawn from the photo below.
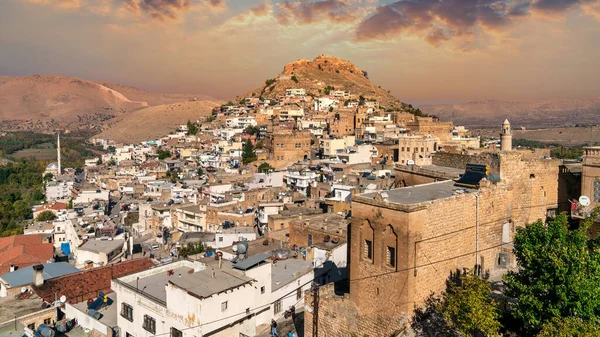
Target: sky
[424,51]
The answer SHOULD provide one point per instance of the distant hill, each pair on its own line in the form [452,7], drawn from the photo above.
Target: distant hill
[157,121]
[49,102]
[153,98]
[527,113]
[316,75]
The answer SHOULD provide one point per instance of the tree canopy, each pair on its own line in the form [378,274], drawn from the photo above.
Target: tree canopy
[558,276]
[248,152]
[46,216]
[192,128]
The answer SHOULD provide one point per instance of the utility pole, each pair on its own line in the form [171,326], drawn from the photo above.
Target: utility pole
[315,291]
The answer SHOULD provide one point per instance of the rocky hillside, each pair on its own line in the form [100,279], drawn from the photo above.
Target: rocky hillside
[322,72]
[527,113]
[157,121]
[50,102]
[153,98]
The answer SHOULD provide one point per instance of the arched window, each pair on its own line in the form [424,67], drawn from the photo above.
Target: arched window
[367,234]
[390,240]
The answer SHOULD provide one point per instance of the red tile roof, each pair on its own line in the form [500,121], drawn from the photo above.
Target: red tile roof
[86,284]
[23,251]
[55,206]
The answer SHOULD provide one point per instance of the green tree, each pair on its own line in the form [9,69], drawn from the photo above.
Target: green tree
[248,153]
[46,216]
[192,128]
[163,154]
[570,327]
[558,276]
[48,176]
[295,79]
[468,306]
[264,167]
[252,130]
[200,171]
[22,210]
[70,204]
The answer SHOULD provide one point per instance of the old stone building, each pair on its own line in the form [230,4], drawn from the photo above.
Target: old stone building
[431,126]
[416,149]
[287,147]
[405,243]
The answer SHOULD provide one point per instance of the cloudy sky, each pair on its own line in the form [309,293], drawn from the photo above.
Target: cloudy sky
[422,50]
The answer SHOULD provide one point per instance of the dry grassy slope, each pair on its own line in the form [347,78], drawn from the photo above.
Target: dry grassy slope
[529,113]
[153,122]
[152,98]
[62,98]
[321,72]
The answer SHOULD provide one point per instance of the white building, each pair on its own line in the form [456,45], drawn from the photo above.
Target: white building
[330,147]
[188,299]
[358,154]
[58,190]
[300,181]
[241,122]
[100,252]
[324,103]
[295,92]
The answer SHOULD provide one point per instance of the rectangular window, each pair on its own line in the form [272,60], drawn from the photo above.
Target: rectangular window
[391,256]
[597,190]
[127,311]
[224,306]
[262,289]
[176,333]
[277,307]
[220,239]
[48,321]
[298,294]
[149,324]
[369,249]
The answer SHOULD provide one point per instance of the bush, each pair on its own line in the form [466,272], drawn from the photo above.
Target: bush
[295,79]
[46,216]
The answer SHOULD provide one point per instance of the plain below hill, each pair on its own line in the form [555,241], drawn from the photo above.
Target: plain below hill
[320,76]
[154,122]
[526,113]
[43,103]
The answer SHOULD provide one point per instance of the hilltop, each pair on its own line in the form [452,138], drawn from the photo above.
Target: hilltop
[316,75]
[528,113]
[50,102]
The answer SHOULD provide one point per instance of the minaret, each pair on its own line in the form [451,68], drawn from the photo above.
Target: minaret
[58,153]
[506,137]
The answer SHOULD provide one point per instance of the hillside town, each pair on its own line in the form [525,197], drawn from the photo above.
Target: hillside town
[315,215]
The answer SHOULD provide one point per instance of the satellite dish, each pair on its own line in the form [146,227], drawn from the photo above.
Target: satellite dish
[410,162]
[63,299]
[23,290]
[584,201]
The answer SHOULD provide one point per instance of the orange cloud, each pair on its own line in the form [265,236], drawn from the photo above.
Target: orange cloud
[59,3]
[442,20]
[337,11]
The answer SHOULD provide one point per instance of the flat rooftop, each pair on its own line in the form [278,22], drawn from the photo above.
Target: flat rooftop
[102,246]
[417,194]
[257,246]
[154,285]
[203,285]
[109,313]
[285,271]
[326,222]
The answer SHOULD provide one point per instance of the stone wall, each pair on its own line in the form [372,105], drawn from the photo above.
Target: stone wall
[460,161]
[340,317]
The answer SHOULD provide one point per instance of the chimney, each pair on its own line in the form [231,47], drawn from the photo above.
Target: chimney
[13,267]
[213,273]
[38,275]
